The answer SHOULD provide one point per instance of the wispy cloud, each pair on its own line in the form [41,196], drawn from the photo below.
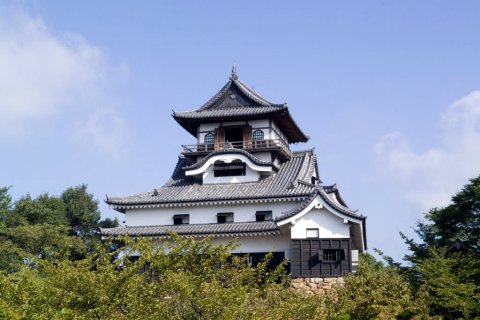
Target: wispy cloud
[430,177]
[45,73]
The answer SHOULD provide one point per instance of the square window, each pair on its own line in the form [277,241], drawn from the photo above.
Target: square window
[225,217]
[181,219]
[263,216]
[313,233]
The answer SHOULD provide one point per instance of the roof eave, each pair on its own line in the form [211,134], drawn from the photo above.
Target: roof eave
[281,116]
[291,128]
[156,203]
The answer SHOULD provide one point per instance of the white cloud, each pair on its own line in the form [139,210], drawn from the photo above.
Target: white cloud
[430,177]
[106,130]
[45,73]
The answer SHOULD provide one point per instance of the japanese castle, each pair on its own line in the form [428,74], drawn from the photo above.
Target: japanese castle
[241,180]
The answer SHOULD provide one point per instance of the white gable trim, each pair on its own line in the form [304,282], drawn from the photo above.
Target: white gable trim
[318,203]
[228,158]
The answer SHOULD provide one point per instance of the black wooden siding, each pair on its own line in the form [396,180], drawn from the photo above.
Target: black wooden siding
[257,257]
[305,261]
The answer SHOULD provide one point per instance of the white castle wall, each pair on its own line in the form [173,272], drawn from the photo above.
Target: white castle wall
[203,214]
[329,225]
[277,243]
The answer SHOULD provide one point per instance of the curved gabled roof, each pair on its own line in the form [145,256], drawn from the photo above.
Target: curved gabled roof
[235,101]
[358,231]
[246,91]
[250,156]
[291,181]
[319,190]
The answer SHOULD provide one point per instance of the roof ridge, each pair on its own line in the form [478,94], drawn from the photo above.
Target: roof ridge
[217,96]
[253,94]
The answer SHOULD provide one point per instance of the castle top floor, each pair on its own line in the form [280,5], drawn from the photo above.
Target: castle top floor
[240,118]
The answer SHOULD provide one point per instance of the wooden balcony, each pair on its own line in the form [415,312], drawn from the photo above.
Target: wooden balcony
[267,145]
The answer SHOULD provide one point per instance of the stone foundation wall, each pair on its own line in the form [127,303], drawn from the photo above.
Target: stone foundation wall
[316,285]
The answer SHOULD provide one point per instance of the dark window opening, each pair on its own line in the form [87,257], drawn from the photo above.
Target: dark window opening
[258,135]
[180,219]
[225,217]
[255,258]
[234,134]
[263,216]
[331,255]
[235,168]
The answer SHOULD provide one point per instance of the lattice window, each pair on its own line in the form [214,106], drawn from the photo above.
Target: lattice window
[258,135]
[210,137]
[331,255]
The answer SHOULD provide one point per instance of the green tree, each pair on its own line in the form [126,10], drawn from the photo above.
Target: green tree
[108,223]
[443,226]
[47,227]
[81,210]
[452,281]
[43,209]
[5,202]
[180,279]
[377,291]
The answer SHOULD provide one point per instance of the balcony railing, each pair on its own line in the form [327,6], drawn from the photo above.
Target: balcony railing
[257,145]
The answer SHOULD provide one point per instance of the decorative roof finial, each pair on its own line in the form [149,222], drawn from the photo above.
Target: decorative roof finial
[234,76]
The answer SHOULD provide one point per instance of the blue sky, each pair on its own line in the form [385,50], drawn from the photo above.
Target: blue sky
[389,92]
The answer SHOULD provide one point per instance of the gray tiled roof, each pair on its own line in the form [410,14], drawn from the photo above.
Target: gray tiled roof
[217,229]
[245,102]
[236,101]
[229,112]
[254,159]
[292,180]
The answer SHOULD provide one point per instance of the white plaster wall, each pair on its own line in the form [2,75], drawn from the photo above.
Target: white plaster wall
[276,243]
[249,244]
[329,225]
[203,214]
[250,176]
[262,123]
[208,126]
[280,135]
[265,156]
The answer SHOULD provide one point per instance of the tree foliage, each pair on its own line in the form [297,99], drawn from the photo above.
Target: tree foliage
[47,227]
[377,291]
[182,279]
[450,279]
[81,210]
